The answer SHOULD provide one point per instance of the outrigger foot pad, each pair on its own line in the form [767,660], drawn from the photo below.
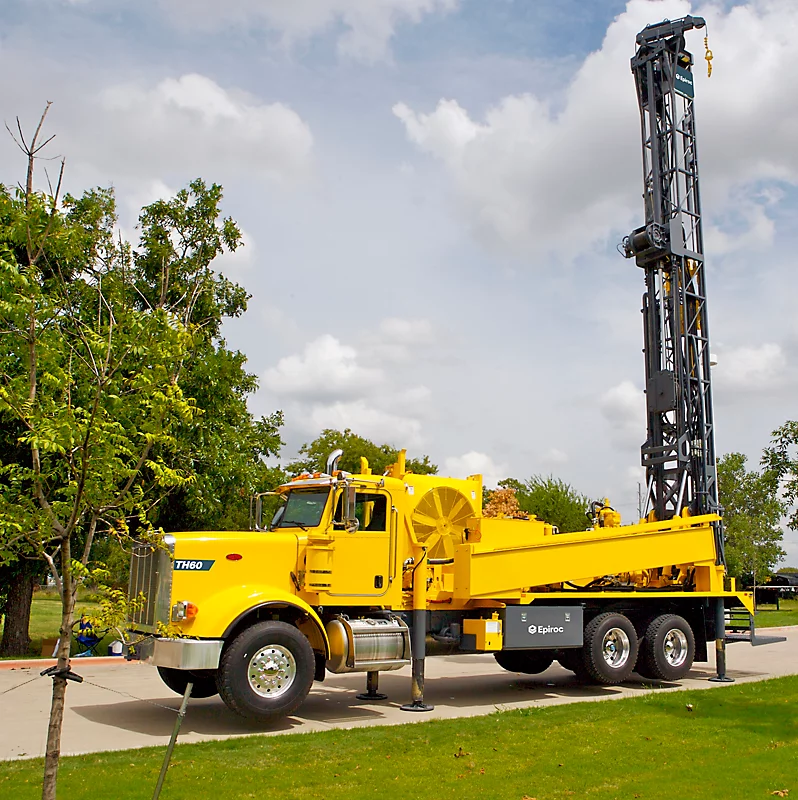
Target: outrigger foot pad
[418,705]
[721,679]
[372,696]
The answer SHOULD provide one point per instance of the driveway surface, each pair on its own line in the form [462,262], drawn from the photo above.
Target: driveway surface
[122,705]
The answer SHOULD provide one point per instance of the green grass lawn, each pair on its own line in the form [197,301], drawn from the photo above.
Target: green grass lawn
[45,619]
[768,617]
[728,743]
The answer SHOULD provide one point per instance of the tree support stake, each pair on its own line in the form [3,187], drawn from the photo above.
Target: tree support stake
[171,747]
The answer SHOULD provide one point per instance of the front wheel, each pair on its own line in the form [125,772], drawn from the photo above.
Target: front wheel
[267,671]
[668,649]
[530,662]
[610,649]
[178,679]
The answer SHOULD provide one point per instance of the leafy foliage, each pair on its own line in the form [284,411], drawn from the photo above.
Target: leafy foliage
[751,516]
[781,459]
[89,381]
[89,384]
[222,446]
[380,457]
[552,500]
[98,344]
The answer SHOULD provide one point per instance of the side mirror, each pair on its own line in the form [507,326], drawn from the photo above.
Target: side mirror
[256,510]
[352,525]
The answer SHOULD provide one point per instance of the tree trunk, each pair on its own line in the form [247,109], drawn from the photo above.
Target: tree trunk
[16,639]
[53,752]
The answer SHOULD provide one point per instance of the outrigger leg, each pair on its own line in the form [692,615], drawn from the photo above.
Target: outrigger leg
[372,684]
[720,644]
[419,646]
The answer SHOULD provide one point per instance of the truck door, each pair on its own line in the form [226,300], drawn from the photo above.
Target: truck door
[361,559]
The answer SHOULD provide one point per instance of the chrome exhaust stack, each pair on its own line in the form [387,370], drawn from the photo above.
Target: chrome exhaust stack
[332,461]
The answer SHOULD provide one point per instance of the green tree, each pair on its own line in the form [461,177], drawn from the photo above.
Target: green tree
[781,460]
[752,511]
[552,500]
[223,446]
[96,342]
[380,457]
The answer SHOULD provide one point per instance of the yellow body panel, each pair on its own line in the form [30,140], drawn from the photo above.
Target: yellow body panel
[262,576]
[506,559]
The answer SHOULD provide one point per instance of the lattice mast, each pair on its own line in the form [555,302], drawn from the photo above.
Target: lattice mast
[679,452]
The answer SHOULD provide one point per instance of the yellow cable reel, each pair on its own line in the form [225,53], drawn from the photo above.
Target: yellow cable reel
[439,520]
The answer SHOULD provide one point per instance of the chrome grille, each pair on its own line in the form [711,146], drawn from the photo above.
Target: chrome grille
[151,575]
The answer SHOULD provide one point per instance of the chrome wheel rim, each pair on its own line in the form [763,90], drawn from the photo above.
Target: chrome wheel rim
[616,647]
[675,647]
[271,671]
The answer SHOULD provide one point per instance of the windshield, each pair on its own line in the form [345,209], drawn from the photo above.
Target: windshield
[303,509]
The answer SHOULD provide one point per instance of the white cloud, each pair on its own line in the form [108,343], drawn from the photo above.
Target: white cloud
[474,463]
[188,122]
[368,25]
[325,369]
[414,395]
[756,232]
[558,175]
[331,384]
[624,407]
[554,457]
[399,340]
[146,193]
[406,331]
[366,420]
[755,369]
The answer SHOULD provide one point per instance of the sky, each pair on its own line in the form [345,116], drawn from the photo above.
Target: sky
[431,193]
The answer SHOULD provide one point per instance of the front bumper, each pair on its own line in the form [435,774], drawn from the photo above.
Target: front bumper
[181,653]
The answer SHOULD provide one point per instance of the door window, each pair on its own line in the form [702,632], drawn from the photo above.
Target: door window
[371,511]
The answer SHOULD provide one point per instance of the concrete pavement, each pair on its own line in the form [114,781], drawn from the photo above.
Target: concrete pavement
[122,705]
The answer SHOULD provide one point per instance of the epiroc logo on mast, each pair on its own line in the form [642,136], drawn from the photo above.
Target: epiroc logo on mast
[684,82]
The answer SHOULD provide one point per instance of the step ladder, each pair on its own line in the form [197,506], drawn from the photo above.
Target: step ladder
[740,627]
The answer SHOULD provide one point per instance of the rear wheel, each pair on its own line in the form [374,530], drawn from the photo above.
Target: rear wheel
[267,671]
[610,649]
[178,679]
[530,662]
[668,649]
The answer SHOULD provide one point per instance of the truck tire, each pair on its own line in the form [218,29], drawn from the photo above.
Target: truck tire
[267,671]
[530,662]
[177,680]
[610,649]
[668,649]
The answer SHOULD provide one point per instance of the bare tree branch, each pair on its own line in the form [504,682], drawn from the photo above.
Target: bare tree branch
[34,149]
[54,571]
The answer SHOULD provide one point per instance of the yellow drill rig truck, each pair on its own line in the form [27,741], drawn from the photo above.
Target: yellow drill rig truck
[364,573]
